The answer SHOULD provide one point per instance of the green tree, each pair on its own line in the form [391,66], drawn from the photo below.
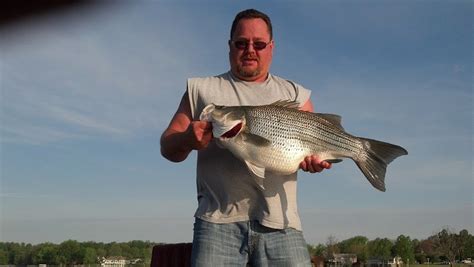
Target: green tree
[380,249]
[135,253]
[18,254]
[469,247]
[115,250]
[126,250]
[318,250]
[462,241]
[101,252]
[90,256]
[404,248]
[46,253]
[447,244]
[3,257]
[355,245]
[332,248]
[70,252]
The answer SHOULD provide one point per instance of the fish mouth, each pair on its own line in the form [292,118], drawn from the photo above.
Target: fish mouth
[232,132]
[226,124]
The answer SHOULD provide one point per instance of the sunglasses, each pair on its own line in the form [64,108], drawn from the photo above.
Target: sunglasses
[243,45]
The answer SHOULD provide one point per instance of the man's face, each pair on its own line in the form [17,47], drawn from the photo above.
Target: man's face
[248,63]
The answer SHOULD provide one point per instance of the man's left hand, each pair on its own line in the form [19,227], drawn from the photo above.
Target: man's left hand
[313,164]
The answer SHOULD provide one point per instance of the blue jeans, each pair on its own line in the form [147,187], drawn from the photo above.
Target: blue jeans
[242,243]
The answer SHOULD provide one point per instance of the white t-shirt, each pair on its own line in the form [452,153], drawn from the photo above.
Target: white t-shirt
[226,190]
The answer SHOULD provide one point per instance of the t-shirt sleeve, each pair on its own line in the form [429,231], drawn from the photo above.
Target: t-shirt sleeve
[301,94]
[192,95]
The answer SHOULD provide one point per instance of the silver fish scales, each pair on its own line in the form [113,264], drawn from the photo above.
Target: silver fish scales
[277,137]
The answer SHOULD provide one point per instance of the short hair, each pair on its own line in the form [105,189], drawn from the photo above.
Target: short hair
[251,14]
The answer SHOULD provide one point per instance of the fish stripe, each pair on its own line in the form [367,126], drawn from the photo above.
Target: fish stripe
[282,126]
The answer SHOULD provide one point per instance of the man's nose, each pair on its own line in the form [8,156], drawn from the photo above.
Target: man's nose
[250,48]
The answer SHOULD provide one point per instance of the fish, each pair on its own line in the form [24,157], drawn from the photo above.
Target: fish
[277,137]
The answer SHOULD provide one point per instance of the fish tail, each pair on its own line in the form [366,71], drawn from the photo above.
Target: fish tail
[375,157]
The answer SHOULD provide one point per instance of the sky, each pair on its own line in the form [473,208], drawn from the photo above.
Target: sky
[87,92]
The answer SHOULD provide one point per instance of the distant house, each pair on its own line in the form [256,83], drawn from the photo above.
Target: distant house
[344,259]
[117,261]
[114,261]
[136,261]
[376,262]
[396,261]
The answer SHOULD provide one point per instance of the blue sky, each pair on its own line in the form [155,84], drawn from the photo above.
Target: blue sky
[86,94]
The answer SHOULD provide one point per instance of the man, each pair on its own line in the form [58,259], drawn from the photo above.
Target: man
[237,222]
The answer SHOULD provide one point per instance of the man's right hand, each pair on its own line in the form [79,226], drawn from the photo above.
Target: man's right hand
[183,134]
[199,134]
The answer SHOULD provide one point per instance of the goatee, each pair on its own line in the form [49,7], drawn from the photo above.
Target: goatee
[249,73]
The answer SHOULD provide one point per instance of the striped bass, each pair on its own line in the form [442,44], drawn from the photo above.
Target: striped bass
[277,137]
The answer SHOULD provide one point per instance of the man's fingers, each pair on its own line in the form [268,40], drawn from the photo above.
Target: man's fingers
[316,163]
[303,166]
[203,125]
[326,165]
[309,163]
[201,134]
[208,125]
[207,137]
[313,164]
[202,128]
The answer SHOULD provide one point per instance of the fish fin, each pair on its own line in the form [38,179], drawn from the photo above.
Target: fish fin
[333,160]
[332,118]
[259,182]
[374,159]
[256,140]
[286,104]
[256,170]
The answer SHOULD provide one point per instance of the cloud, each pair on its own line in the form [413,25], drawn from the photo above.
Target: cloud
[69,80]
[81,120]
[34,135]
[13,195]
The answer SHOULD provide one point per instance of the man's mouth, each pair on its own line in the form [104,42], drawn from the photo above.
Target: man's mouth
[249,60]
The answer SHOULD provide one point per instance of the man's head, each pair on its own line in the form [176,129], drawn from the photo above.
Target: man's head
[251,45]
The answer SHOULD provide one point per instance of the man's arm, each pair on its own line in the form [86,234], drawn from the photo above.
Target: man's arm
[312,163]
[183,134]
[308,106]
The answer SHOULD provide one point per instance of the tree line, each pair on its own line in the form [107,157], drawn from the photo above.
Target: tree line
[444,246]
[72,252]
